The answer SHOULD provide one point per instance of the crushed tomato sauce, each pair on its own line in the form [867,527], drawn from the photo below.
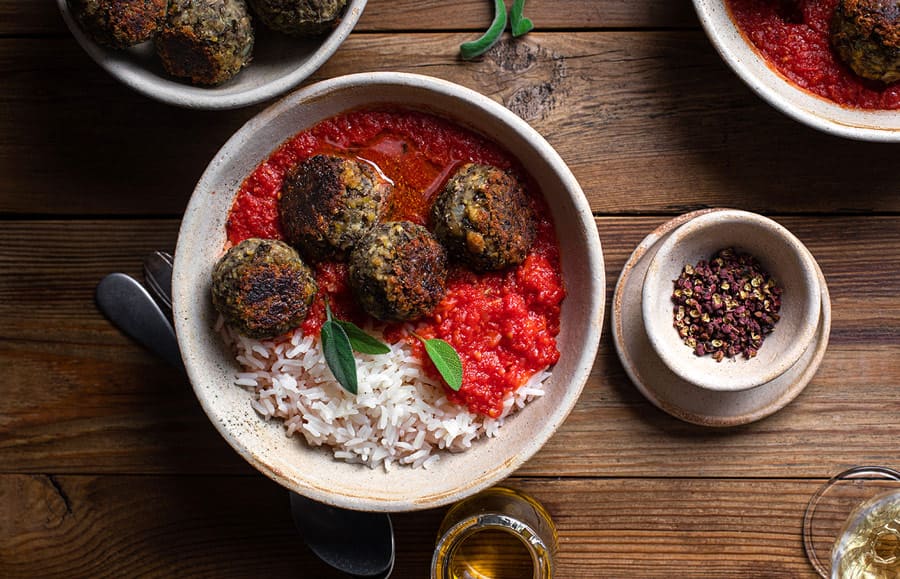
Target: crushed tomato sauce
[503,324]
[793,37]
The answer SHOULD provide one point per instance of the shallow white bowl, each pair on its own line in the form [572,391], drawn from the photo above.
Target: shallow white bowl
[211,367]
[795,102]
[279,64]
[780,254]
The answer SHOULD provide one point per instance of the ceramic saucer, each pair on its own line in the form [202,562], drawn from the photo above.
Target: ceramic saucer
[674,395]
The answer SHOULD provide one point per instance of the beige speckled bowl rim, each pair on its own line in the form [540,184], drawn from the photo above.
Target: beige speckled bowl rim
[311,472]
[803,106]
[252,90]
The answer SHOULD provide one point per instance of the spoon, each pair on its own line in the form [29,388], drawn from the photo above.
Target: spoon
[327,530]
[125,303]
[358,543]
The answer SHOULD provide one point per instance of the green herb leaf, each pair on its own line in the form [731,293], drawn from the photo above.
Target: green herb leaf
[518,23]
[475,48]
[446,360]
[339,354]
[361,341]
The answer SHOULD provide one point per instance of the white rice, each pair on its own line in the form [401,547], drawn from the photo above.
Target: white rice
[399,416]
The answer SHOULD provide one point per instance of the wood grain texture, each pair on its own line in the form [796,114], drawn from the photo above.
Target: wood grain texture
[648,123]
[114,526]
[18,17]
[110,468]
[82,398]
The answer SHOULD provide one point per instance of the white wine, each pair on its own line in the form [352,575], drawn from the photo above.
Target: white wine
[869,547]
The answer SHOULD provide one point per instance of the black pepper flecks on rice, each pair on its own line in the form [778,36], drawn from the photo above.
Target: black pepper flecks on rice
[727,306]
[119,23]
[328,203]
[262,288]
[398,271]
[299,17]
[484,218]
[206,41]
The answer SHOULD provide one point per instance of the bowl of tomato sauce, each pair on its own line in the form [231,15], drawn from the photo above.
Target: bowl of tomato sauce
[783,50]
[537,318]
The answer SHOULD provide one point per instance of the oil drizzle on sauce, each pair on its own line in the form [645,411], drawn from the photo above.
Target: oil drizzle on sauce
[503,324]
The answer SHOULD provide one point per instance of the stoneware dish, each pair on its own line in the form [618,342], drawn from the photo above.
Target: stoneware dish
[779,253]
[682,399]
[279,64]
[817,112]
[211,367]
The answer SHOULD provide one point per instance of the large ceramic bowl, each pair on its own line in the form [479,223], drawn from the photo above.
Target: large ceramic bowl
[817,112]
[313,472]
[279,64]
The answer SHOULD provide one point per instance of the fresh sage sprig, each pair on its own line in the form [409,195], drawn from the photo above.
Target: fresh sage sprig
[361,341]
[339,339]
[445,359]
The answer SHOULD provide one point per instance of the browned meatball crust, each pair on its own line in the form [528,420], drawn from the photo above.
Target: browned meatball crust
[484,218]
[119,23]
[205,41]
[299,17]
[398,271]
[329,203]
[262,288]
[866,36]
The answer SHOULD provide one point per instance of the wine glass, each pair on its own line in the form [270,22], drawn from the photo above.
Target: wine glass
[851,528]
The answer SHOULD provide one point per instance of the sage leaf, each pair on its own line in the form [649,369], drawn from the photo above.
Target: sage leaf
[446,360]
[361,341]
[339,355]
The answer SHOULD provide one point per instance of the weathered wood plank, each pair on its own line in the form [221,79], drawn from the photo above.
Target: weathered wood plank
[649,122]
[17,17]
[240,526]
[80,397]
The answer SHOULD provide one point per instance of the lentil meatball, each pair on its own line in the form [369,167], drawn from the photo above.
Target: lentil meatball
[484,218]
[866,36]
[119,23]
[299,17]
[398,271]
[205,41]
[262,288]
[329,203]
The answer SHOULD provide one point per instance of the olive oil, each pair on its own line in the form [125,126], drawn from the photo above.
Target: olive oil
[869,547]
[491,554]
[499,533]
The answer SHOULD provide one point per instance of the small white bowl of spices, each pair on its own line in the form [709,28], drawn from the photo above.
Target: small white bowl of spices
[731,300]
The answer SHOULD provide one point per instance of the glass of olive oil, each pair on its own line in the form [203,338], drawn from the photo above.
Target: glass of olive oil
[851,529]
[498,533]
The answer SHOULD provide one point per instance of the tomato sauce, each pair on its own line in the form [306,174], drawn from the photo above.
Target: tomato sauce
[793,37]
[503,324]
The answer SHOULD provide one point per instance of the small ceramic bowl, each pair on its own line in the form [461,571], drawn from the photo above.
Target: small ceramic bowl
[211,367]
[779,253]
[803,106]
[280,63]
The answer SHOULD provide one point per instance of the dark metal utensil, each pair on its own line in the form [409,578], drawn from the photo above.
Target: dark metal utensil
[125,303]
[325,529]
[158,277]
[331,534]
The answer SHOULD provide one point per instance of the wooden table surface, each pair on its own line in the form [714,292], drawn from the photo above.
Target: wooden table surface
[108,466]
